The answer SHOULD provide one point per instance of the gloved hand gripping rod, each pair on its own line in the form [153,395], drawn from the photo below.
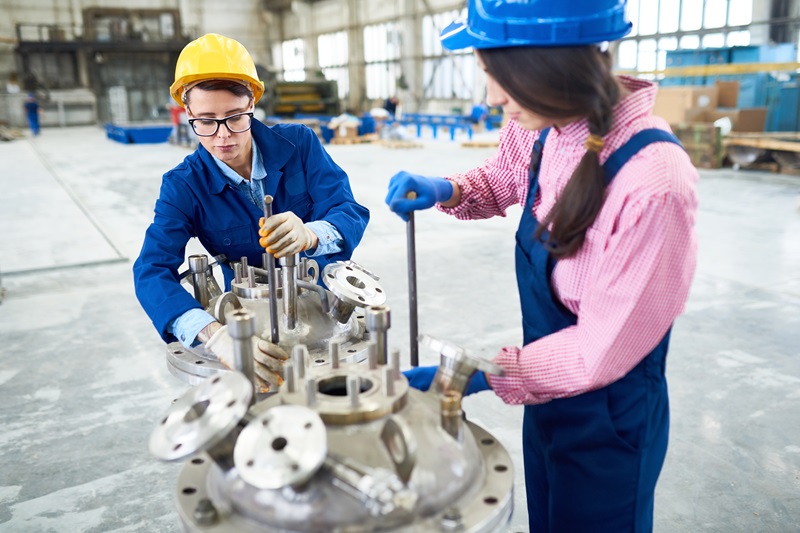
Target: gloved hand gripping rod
[272,279]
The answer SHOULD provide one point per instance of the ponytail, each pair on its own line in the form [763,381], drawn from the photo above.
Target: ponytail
[563,83]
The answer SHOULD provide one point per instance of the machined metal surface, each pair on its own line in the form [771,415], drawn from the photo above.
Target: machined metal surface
[202,418]
[282,447]
[351,448]
[353,286]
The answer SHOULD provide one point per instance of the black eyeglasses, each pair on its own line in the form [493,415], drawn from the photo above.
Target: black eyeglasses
[207,127]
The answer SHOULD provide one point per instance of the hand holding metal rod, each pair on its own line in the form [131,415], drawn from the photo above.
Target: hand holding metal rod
[412,284]
[272,279]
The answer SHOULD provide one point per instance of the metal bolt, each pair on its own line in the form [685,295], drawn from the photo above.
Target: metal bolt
[451,520]
[205,514]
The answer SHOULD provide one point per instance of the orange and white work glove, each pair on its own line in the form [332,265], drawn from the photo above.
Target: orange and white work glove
[270,359]
[285,234]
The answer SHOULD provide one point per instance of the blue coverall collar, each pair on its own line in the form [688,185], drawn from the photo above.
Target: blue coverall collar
[276,150]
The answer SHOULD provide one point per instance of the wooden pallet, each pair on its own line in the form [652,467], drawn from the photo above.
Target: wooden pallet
[782,147]
[392,143]
[480,144]
[361,139]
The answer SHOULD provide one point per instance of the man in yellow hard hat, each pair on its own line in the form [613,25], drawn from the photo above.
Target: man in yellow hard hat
[216,194]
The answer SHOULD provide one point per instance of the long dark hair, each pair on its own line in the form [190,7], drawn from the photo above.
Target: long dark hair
[560,83]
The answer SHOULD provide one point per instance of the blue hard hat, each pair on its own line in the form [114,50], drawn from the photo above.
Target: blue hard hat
[501,23]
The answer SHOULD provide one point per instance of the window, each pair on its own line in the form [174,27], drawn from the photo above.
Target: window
[447,75]
[382,45]
[293,55]
[333,60]
[722,16]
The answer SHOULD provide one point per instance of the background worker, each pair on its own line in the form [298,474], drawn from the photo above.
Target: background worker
[605,255]
[32,112]
[216,194]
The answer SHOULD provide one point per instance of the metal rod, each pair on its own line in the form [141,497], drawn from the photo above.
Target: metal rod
[288,271]
[273,280]
[198,265]
[412,286]
[241,327]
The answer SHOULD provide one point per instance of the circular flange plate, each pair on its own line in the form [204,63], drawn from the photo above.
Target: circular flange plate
[353,285]
[283,446]
[202,417]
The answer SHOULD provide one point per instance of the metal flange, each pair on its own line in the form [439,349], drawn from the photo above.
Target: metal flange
[283,446]
[202,417]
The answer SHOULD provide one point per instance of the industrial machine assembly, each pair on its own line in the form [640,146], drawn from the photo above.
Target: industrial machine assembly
[343,447]
[342,443]
[304,311]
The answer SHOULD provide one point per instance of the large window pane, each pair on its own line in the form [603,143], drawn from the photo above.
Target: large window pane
[626,55]
[690,42]
[691,15]
[714,40]
[738,38]
[648,24]
[741,12]
[633,16]
[668,16]
[332,51]
[293,54]
[715,14]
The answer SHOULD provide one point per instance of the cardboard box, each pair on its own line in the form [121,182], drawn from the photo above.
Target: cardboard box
[727,93]
[747,119]
[673,102]
[346,131]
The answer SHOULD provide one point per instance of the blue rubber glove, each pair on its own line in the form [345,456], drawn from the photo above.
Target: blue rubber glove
[428,190]
[421,378]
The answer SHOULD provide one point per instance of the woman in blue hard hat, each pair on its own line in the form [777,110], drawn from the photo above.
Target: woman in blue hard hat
[216,194]
[605,254]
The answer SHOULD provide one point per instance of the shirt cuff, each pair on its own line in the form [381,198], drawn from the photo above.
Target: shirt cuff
[330,240]
[189,324]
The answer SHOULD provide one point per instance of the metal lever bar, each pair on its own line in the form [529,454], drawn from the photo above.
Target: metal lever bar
[273,280]
[412,285]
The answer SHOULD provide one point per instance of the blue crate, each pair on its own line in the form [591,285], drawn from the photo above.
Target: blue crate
[144,134]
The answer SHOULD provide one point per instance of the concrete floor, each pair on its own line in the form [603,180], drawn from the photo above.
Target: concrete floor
[83,380]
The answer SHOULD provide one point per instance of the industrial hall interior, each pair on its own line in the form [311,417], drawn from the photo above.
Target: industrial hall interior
[399,266]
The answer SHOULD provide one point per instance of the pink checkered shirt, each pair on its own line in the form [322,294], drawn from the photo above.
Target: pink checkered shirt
[631,278]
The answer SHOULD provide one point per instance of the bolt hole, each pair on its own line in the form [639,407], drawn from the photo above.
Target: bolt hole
[378,290]
[360,317]
[164,421]
[295,467]
[215,380]
[490,500]
[351,350]
[198,461]
[307,425]
[361,298]
[231,404]
[330,276]
[500,468]
[279,444]
[196,411]
[189,490]
[319,361]
[355,282]
[178,352]
[265,423]
[487,442]
[250,463]
[199,362]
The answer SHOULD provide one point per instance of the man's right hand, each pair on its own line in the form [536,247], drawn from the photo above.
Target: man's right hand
[270,358]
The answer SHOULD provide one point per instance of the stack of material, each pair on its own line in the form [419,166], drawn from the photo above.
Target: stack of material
[701,116]
[10,134]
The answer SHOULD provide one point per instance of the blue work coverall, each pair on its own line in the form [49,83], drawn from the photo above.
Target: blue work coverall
[196,200]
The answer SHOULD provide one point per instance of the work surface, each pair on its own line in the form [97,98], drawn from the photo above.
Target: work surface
[83,380]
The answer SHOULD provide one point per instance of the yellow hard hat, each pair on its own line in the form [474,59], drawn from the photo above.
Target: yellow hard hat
[214,57]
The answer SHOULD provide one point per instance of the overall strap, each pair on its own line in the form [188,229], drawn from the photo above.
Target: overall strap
[621,156]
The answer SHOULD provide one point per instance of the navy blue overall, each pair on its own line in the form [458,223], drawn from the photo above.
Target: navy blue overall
[591,461]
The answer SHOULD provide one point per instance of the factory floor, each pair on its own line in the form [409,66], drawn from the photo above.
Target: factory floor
[83,379]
